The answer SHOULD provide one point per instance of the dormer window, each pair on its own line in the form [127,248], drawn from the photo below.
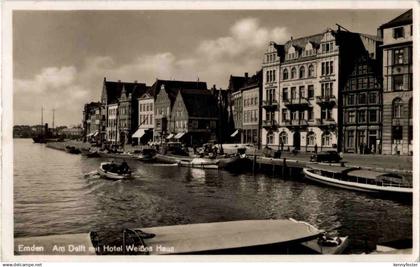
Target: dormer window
[398,32]
[327,47]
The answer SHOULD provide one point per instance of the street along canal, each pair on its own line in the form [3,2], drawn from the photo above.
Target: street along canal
[57,193]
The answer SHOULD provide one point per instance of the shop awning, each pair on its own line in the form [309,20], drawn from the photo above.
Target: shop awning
[139,133]
[179,135]
[170,136]
[234,133]
[95,133]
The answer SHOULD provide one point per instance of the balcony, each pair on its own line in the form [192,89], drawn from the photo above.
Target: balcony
[296,123]
[270,124]
[326,100]
[270,104]
[326,123]
[296,103]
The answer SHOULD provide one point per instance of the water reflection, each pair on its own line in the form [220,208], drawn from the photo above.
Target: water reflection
[55,192]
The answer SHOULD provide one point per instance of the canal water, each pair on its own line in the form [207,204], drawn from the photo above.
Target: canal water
[56,193]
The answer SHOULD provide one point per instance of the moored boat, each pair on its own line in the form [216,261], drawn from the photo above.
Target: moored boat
[201,163]
[231,237]
[236,163]
[147,155]
[113,171]
[357,179]
[72,150]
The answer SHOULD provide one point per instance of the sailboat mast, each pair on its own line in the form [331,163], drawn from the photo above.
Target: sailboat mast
[42,116]
[53,118]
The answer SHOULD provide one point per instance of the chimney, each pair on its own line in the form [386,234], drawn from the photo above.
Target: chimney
[135,81]
[119,81]
[104,79]
[246,75]
[291,38]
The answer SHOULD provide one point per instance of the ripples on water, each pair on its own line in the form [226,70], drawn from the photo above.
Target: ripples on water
[56,193]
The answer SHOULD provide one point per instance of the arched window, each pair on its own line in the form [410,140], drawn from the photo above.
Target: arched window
[326,139]
[270,138]
[285,74]
[397,108]
[410,108]
[283,138]
[293,75]
[302,72]
[310,139]
[311,71]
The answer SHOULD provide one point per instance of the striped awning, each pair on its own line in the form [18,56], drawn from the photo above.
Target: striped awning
[234,133]
[179,135]
[139,133]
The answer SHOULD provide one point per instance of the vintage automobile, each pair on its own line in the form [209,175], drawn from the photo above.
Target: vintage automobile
[326,156]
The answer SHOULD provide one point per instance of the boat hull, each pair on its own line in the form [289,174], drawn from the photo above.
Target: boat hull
[111,175]
[355,186]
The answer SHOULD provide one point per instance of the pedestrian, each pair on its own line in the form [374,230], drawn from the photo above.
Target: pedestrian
[316,148]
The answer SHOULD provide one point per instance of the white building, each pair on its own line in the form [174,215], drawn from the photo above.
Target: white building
[146,120]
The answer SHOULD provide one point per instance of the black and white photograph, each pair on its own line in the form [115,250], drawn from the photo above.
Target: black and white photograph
[150,131]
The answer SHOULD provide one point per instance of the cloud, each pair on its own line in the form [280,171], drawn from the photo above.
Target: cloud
[67,88]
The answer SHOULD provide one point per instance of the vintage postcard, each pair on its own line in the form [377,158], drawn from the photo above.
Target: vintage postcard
[237,130]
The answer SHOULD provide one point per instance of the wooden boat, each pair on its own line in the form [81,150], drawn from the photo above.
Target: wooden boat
[201,163]
[232,237]
[357,179]
[72,150]
[89,153]
[106,170]
[236,163]
[148,155]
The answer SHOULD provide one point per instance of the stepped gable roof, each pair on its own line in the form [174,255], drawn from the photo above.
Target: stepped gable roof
[199,103]
[114,90]
[172,87]
[403,19]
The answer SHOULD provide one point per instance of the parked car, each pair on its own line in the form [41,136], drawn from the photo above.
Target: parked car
[326,156]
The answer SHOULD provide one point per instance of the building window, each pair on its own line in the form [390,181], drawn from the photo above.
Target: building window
[350,139]
[310,140]
[410,108]
[399,56]
[293,92]
[283,138]
[372,98]
[270,138]
[301,91]
[311,93]
[350,99]
[362,99]
[397,108]
[326,114]
[326,139]
[397,133]
[302,72]
[398,82]
[351,117]
[310,114]
[373,116]
[293,75]
[311,71]
[284,114]
[398,32]
[285,94]
[361,116]
[285,74]
[326,89]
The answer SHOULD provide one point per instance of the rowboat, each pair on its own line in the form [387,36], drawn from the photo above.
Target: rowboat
[232,237]
[110,170]
[357,179]
[199,163]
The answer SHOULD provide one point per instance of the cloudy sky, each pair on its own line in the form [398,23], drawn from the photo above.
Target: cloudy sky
[61,57]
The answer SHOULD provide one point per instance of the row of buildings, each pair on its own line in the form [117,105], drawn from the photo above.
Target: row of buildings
[337,89]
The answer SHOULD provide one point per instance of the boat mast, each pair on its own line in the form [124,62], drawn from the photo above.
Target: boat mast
[53,110]
[42,119]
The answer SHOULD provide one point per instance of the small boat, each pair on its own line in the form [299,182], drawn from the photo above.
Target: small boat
[113,171]
[89,153]
[240,162]
[199,163]
[357,179]
[147,155]
[232,237]
[72,150]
